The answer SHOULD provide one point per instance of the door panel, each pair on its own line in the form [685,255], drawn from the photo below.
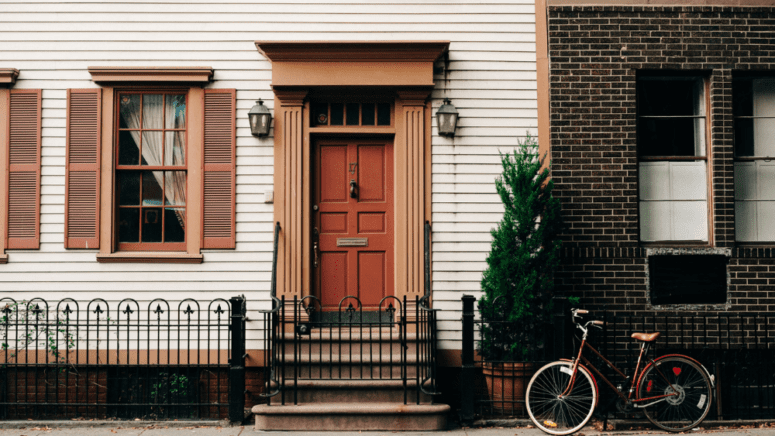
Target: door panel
[354,199]
[333,266]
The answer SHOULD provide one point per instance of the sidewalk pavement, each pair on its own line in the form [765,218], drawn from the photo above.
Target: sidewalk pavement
[173,429]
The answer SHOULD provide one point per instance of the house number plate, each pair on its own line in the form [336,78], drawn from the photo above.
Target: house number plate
[352,242]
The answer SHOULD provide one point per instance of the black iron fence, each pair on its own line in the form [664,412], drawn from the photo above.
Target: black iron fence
[94,360]
[394,341]
[738,350]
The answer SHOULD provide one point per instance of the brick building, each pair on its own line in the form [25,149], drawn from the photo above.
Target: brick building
[661,145]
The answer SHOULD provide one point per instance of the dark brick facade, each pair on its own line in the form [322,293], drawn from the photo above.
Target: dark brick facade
[595,53]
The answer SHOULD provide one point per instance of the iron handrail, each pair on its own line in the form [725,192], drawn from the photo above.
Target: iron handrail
[272,323]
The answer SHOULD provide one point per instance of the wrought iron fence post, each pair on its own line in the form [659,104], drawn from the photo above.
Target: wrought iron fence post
[237,361]
[467,370]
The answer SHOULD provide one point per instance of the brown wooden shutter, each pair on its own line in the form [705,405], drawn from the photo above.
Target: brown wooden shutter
[82,184]
[24,169]
[220,168]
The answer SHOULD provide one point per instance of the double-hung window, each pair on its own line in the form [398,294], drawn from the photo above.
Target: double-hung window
[754,112]
[151,170]
[672,159]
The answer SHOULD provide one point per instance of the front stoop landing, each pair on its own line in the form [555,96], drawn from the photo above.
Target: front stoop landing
[352,416]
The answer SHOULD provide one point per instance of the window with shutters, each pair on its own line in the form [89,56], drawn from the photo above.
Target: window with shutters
[672,155]
[753,102]
[151,167]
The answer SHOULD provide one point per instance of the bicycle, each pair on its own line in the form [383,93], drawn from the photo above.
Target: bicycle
[674,391]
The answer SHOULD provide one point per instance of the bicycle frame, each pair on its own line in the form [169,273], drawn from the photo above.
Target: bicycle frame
[636,402]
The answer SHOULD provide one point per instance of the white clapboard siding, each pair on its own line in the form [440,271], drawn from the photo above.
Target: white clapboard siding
[490,78]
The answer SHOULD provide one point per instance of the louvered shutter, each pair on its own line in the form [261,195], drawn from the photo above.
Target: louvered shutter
[82,193]
[24,169]
[220,164]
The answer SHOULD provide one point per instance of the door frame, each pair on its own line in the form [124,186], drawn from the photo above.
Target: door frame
[401,70]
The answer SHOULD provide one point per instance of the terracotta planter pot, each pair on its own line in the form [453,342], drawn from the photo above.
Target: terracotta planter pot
[506,384]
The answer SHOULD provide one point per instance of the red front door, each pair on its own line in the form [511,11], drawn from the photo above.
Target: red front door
[353,221]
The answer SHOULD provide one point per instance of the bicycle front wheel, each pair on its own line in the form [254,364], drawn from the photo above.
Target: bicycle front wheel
[553,412]
[689,390]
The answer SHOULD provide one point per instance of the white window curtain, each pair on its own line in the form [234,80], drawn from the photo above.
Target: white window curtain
[174,147]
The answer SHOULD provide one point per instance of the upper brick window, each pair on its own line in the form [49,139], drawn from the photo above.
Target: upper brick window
[754,111]
[672,153]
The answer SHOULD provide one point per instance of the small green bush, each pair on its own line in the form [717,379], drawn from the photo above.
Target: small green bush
[518,282]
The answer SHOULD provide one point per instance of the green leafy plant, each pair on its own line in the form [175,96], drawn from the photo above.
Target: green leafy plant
[170,387]
[518,282]
[26,327]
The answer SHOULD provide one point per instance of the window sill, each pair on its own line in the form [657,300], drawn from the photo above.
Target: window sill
[149,257]
[3,259]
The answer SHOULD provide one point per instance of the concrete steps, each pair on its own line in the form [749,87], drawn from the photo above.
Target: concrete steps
[352,416]
[349,379]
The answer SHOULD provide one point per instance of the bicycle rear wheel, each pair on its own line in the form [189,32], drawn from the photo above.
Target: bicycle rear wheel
[679,375]
[560,415]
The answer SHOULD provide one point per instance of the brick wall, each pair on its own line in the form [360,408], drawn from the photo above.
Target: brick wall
[595,53]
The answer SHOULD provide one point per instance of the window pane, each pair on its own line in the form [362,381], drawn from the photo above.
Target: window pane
[129,111]
[152,146]
[670,97]
[368,116]
[174,225]
[175,188]
[152,111]
[744,137]
[353,112]
[152,187]
[129,188]
[671,137]
[337,114]
[152,224]
[320,114]
[128,225]
[175,112]
[383,114]
[175,148]
[742,98]
[129,148]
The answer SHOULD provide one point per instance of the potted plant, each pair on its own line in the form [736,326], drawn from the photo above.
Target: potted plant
[518,282]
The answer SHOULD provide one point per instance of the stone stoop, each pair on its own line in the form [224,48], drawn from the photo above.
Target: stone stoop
[352,416]
[350,384]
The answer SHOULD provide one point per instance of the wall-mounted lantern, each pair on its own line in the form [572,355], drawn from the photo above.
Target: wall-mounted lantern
[260,119]
[447,119]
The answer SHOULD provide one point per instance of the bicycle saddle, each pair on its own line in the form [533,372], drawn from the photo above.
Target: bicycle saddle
[645,337]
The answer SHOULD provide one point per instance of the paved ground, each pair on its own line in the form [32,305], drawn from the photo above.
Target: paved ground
[161,430]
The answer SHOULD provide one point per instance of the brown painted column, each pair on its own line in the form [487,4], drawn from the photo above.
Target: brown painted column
[291,166]
[412,132]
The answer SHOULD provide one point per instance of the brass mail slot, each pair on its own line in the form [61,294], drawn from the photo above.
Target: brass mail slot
[352,242]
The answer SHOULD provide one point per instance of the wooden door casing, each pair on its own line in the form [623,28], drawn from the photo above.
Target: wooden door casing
[367,271]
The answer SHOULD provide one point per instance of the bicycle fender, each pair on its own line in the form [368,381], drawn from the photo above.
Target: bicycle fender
[707,374]
[591,374]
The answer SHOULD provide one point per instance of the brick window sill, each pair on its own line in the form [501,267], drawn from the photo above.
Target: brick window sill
[149,257]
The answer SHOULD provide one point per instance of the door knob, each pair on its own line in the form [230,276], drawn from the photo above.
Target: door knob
[352,189]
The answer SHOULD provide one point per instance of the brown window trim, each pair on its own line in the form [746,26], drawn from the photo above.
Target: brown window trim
[109,247]
[137,75]
[149,257]
[8,76]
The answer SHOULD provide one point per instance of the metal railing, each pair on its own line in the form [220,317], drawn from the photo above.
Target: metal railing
[394,341]
[94,360]
[738,350]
